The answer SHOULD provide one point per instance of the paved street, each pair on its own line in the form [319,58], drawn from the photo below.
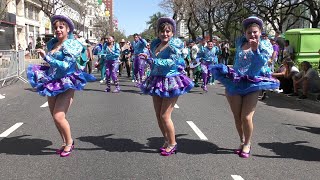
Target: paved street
[116,137]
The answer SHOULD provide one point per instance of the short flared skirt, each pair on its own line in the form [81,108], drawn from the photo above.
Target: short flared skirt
[242,85]
[45,85]
[167,87]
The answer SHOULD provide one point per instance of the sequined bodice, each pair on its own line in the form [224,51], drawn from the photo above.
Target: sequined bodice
[249,63]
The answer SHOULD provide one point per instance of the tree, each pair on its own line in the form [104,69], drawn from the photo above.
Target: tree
[148,34]
[50,7]
[3,8]
[276,12]
[118,35]
[313,9]
[102,26]
[152,23]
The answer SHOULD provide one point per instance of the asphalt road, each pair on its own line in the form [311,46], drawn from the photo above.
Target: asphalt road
[116,137]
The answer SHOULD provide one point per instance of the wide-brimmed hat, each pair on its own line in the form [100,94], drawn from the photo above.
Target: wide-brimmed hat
[65,19]
[168,20]
[251,20]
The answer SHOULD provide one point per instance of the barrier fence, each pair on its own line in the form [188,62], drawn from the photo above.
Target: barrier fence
[12,65]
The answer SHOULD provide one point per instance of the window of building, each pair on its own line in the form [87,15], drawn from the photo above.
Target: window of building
[90,22]
[30,12]
[90,33]
[25,10]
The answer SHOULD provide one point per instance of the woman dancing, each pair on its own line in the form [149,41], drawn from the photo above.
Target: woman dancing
[166,82]
[59,80]
[250,75]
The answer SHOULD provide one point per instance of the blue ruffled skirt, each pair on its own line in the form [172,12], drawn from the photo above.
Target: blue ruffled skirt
[47,86]
[242,85]
[167,87]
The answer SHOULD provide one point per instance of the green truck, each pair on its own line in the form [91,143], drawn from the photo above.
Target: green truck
[306,44]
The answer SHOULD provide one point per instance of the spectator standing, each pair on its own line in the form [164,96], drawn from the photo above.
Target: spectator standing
[281,42]
[225,50]
[125,56]
[274,58]
[288,50]
[90,57]
[195,63]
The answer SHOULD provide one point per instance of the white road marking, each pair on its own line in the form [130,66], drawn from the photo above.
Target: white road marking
[2,96]
[45,105]
[197,130]
[237,177]
[11,129]
[176,106]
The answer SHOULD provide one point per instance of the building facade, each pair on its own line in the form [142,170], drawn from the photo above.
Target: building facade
[24,21]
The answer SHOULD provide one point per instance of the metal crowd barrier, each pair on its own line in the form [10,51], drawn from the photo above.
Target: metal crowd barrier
[12,65]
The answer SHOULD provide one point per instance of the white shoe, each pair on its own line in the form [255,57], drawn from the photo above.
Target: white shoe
[132,80]
[278,90]
[101,81]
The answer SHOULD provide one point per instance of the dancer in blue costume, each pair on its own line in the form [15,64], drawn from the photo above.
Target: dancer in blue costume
[61,77]
[110,53]
[166,82]
[208,56]
[139,46]
[243,83]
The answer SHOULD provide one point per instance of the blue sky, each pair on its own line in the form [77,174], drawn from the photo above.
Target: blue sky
[133,14]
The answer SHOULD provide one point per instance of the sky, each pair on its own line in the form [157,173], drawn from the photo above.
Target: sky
[132,15]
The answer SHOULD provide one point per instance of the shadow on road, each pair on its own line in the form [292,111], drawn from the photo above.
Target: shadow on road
[313,130]
[107,143]
[132,91]
[280,101]
[96,90]
[190,146]
[293,150]
[31,89]
[22,146]
[187,146]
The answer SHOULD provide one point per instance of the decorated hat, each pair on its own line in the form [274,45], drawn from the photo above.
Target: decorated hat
[168,20]
[251,20]
[65,19]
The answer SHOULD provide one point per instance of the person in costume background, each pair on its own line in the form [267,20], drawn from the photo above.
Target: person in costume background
[208,57]
[111,52]
[250,75]
[166,82]
[61,78]
[139,44]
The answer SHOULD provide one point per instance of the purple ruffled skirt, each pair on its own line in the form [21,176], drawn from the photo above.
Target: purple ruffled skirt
[242,85]
[167,87]
[45,85]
